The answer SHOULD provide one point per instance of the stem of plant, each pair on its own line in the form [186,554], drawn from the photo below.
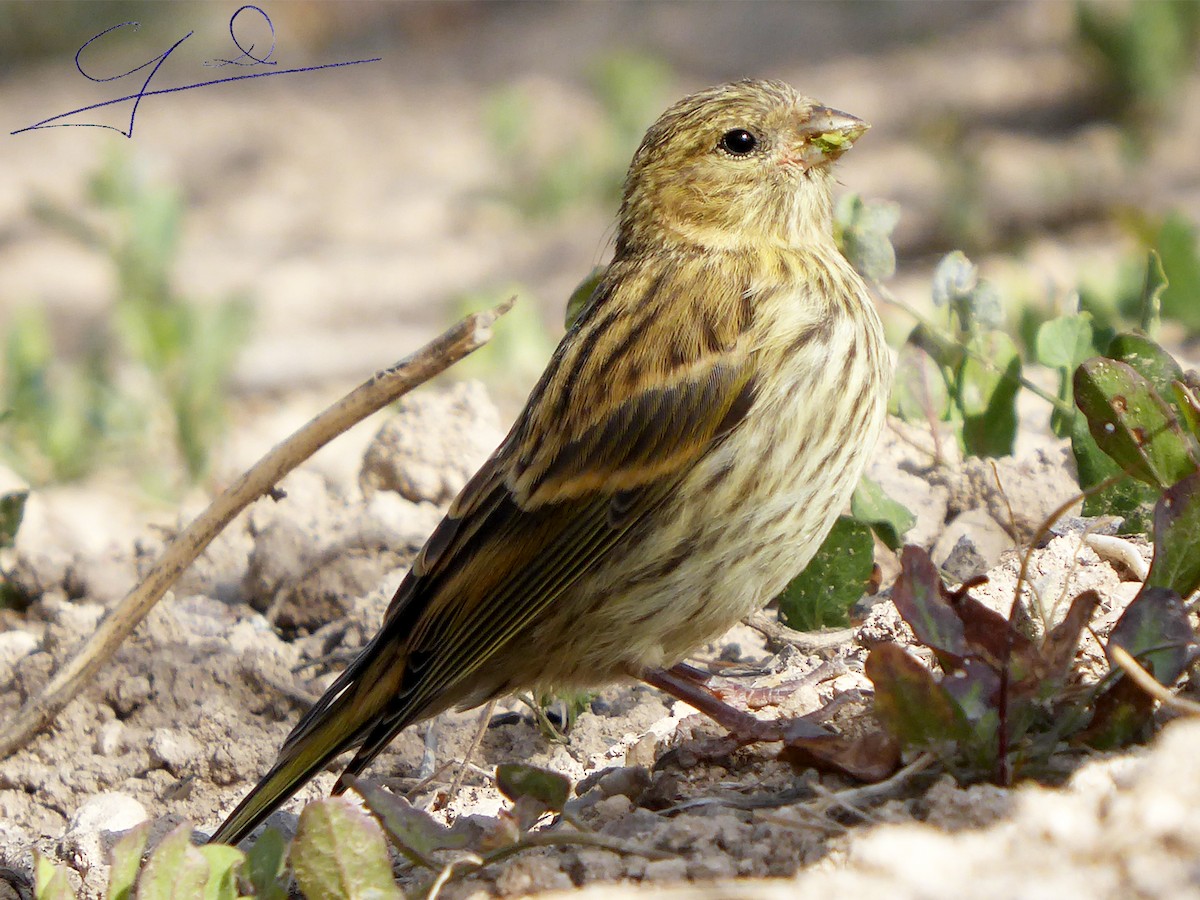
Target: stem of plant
[1059,404]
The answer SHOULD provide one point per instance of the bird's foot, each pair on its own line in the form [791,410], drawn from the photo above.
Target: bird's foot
[805,741]
[686,683]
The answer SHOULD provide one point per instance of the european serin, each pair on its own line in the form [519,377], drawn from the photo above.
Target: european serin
[685,452]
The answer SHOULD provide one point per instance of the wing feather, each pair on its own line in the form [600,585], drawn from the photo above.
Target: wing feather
[604,439]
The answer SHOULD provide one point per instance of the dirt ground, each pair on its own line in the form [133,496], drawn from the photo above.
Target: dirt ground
[358,210]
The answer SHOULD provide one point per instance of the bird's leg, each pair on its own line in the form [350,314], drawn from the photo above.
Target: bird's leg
[690,672]
[687,684]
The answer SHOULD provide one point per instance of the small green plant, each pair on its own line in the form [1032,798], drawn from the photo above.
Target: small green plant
[979,366]
[341,851]
[1004,702]
[1178,244]
[1144,54]
[1097,361]
[164,359]
[564,706]
[12,511]
[833,581]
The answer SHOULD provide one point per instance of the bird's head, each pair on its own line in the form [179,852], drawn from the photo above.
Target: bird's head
[736,165]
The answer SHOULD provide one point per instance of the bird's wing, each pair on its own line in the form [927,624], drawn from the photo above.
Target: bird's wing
[630,401]
[633,397]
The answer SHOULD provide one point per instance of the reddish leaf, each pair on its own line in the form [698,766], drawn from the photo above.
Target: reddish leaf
[1059,646]
[912,705]
[1155,631]
[1120,713]
[870,757]
[920,597]
[1176,536]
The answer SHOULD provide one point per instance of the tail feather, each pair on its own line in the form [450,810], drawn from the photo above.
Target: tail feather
[349,712]
[291,771]
[381,735]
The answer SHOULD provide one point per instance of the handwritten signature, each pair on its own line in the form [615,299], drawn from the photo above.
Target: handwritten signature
[248,58]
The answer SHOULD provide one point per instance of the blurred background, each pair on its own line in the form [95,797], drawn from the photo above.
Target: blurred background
[174,302]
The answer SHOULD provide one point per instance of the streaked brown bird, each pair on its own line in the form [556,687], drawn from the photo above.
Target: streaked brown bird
[687,449]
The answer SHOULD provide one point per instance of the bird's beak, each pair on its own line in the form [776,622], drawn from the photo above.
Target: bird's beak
[826,135]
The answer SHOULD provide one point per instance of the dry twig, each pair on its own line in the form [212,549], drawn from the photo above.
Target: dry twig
[381,389]
[1150,684]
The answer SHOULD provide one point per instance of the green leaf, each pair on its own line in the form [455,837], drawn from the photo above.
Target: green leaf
[1120,712]
[987,395]
[975,690]
[1132,423]
[1148,359]
[954,278]
[1129,498]
[341,852]
[985,305]
[864,233]
[263,866]
[582,294]
[1065,342]
[919,391]
[1177,243]
[1155,631]
[1187,401]
[408,827]
[50,880]
[1152,290]
[126,860]
[12,510]
[910,702]
[833,580]
[1176,562]
[888,518]
[223,863]
[175,870]
[519,780]
[1062,344]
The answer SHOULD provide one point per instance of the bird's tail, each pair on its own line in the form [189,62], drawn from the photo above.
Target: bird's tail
[296,764]
[343,718]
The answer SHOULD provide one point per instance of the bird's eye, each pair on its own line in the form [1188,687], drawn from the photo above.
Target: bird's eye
[738,141]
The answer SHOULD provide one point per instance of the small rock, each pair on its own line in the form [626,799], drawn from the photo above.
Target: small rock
[971,544]
[532,875]
[666,870]
[612,808]
[129,694]
[15,645]
[406,524]
[173,750]
[626,781]
[68,624]
[110,811]
[964,561]
[642,753]
[111,738]
[433,444]
[96,826]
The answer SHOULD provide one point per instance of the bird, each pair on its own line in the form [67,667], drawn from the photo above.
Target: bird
[695,434]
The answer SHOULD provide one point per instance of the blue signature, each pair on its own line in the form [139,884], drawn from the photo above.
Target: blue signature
[248,58]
